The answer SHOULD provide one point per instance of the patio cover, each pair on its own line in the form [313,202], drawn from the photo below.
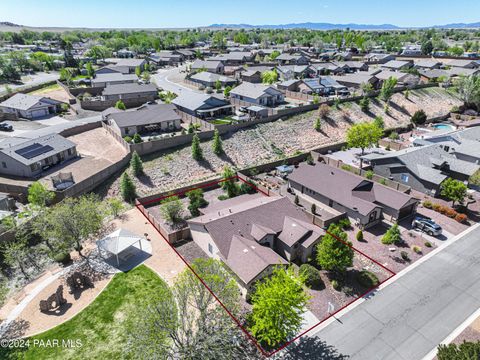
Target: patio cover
[118,241]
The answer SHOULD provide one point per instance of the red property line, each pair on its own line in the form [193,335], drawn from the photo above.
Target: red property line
[246,332]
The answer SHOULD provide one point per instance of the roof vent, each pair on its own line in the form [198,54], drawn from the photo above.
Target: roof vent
[332,173]
[245,250]
[355,208]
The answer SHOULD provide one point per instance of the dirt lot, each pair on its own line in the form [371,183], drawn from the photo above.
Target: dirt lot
[275,140]
[55,92]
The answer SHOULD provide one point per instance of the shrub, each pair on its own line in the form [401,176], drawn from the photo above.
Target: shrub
[416,249]
[296,200]
[383,181]
[63,258]
[392,236]
[405,256]
[336,285]
[314,209]
[312,276]
[367,279]
[419,118]
[428,244]
[344,223]
[323,111]
[137,139]
[393,136]
[461,218]
[359,235]
[346,167]
[128,139]
[427,204]
[369,174]
[223,197]
[436,207]
[442,209]
[451,213]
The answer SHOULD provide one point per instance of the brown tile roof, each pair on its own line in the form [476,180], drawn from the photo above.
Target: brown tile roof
[348,189]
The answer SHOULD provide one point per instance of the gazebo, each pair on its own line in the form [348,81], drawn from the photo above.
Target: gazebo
[119,241]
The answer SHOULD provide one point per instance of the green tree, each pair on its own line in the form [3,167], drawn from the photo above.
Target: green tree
[453,190]
[115,206]
[427,47]
[378,121]
[365,104]
[127,188]
[196,201]
[120,105]
[278,304]
[172,209]
[463,351]
[138,71]
[269,77]
[367,88]
[218,86]
[169,329]
[226,91]
[217,143]
[392,236]
[39,195]
[469,90]
[89,68]
[76,219]
[363,135]
[332,254]
[228,182]
[419,117]
[197,152]
[388,86]
[136,164]
[317,125]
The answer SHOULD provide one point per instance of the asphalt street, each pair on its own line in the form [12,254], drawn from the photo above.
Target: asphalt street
[410,317]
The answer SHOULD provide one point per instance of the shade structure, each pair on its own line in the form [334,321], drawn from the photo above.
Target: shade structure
[119,241]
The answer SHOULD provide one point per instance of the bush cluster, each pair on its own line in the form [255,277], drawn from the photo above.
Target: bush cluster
[445,210]
[312,275]
[367,279]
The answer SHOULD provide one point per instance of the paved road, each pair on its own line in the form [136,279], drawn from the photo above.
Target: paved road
[411,316]
[168,79]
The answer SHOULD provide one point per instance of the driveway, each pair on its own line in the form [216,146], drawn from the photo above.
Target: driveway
[411,316]
[171,80]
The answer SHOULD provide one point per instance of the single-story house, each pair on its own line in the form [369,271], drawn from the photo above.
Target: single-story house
[363,200]
[30,106]
[327,68]
[258,94]
[378,58]
[234,58]
[252,234]
[102,80]
[186,54]
[29,158]
[130,92]
[422,168]
[460,63]
[288,59]
[402,77]
[252,76]
[208,79]
[427,64]
[203,106]
[211,66]
[287,72]
[321,86]
[427,75]
[397,65]
[162,58]
[158,118]
[356,80]
[112,69]
[130,64]
[353,66]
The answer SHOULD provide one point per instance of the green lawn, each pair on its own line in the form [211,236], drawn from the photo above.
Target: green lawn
[103,326]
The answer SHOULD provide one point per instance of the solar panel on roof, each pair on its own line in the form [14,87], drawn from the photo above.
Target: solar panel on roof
[31,151]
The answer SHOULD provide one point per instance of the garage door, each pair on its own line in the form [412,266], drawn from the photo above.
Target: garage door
[38,113]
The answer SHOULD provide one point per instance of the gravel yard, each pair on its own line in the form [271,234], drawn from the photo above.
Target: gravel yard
[275,140]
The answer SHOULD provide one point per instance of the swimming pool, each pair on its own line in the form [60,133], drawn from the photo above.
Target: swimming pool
[444,126]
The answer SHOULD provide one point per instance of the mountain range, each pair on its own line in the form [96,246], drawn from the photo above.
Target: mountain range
[330,26]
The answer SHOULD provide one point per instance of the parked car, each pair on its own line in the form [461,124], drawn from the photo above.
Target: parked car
[6,127]
[427,225]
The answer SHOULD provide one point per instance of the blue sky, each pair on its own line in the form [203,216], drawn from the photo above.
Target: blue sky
[191,13]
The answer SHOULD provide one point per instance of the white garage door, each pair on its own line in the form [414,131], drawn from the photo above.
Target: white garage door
[38,113]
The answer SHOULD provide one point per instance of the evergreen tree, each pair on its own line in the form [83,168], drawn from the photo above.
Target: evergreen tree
[120,105]
[317,125]
[127,188]
[136,164]
[217,143]
[197,153]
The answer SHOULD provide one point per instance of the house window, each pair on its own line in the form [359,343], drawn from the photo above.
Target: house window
[4,164]
[405,178]
[373,216]
[210,248]
[69,152]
